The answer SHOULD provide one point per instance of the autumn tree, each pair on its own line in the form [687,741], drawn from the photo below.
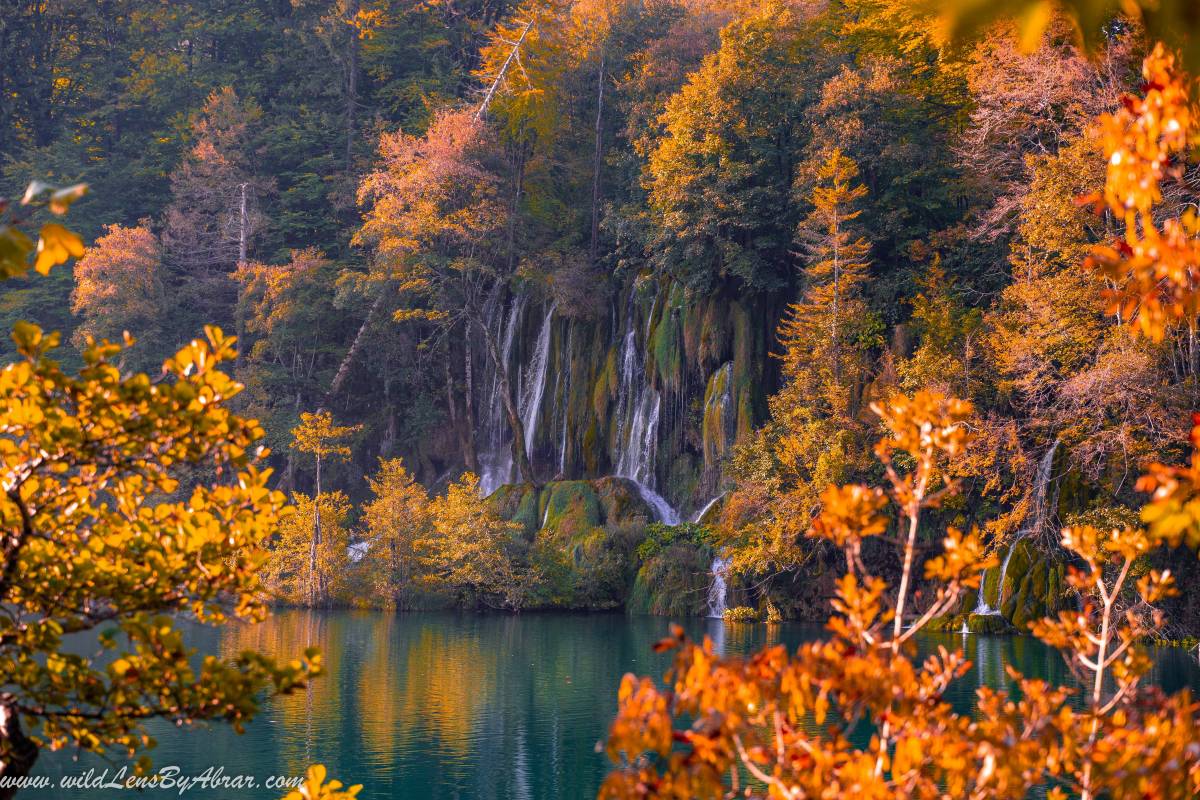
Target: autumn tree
[434,213]
[318,436]
[397,526]
[472,552]
[751,714]
[719,179]
[295,566]
[99,539]
[835,261]
[291,338]
[948,331]
[119,288]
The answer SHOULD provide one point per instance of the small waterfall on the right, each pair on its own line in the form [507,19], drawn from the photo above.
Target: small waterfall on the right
[1041,509]
[719,587]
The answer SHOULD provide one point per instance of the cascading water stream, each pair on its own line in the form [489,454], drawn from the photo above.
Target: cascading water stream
[699,515]
[1041,507]
[719,587]
[719,569]
[495,458]
[534,388]
[638,409]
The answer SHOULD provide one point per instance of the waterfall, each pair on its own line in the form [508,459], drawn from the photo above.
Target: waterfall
[699,515]
[719,587]
[1041,509]
[534,382]
[356,551]
[638,410]
[495,457]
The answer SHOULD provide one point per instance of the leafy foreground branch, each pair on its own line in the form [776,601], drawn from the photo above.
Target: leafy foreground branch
[856,715]
[126,503]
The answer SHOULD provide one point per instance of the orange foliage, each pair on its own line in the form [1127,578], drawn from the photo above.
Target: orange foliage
[1155,266]
[118,284]
[855,715]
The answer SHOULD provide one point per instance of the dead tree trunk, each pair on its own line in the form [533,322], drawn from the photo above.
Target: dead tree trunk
[512,55]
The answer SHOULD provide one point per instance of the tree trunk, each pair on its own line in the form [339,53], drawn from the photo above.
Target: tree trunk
[316,581]
[471,456]
[597,158]
[19,752]
[348,360]
[515,424]
[458,423]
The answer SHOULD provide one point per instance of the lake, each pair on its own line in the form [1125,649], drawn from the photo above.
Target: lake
[445,706]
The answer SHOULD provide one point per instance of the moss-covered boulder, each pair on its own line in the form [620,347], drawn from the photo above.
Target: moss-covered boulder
[583,538]
[1026,586]
[674,583]
[973,623]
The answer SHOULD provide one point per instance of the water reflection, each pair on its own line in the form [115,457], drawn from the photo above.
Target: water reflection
[447,706]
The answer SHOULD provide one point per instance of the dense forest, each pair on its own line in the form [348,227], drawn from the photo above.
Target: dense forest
[617,261]
[876,313]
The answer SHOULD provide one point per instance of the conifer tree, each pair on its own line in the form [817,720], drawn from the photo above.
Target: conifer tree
[820,328]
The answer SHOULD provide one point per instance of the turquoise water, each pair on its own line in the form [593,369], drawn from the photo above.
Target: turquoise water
[433,706]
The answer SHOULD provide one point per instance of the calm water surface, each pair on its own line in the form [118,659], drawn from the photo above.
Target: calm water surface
[432,706]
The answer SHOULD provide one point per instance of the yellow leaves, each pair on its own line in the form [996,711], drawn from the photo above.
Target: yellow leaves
[963,559]
[926,422]
[643,724]
[96,458]
[1155,266]
[317,434]
[55,246]
[315,787]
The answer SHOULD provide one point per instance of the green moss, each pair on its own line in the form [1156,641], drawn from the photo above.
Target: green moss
[718,425]
[606,386]
[991,586]
[672,583]
[593,454]
[620,502]
[569,507]
[666,350]
[518,502]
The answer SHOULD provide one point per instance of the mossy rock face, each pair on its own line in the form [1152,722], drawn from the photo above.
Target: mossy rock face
[991,587]
[987,624]
[569,507]
[719,426]
[975,623]
[672,583]
[518,502]
[621,503]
